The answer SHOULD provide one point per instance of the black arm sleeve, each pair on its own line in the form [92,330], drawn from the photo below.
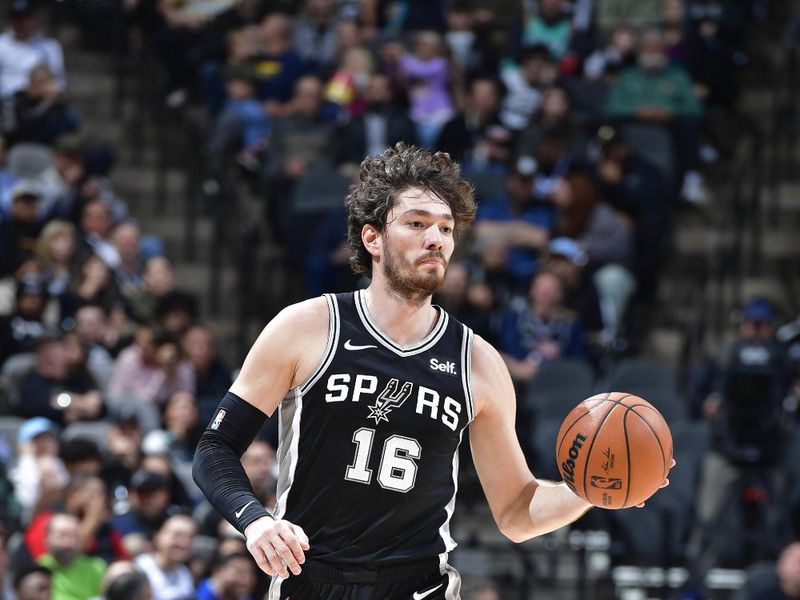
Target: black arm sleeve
[217,467]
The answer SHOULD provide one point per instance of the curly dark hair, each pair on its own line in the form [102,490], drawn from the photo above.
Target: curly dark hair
[384,177]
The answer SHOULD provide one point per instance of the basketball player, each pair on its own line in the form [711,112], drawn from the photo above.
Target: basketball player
[374,390]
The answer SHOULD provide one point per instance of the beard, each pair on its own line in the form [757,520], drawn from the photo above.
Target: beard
[407,281]
[63,556]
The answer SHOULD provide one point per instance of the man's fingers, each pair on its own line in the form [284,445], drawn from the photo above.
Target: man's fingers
[665,484]
[287,556]
[262,562]
[275,561]
[301,536]
[293,542]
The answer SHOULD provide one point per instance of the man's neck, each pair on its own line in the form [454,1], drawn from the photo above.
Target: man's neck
[163,561]
[404,321]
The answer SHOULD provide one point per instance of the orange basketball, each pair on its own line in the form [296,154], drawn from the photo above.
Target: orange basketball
[614,450]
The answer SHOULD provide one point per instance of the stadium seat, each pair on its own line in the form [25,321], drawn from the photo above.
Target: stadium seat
[653,382]
[558,387]
[654,144]
[95,431]
[322,188]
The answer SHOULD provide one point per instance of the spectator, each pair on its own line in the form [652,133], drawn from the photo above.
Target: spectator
[518,222]
[232,578]
[40,112]
[101,340]
[126,238]
[159,280]
[150,496]
[150,370]
[382,124]
[781,582]
[81,457]
[476,138]
[526,82]
[97,223]
[182,426]
[23,47]
[536,333]
[315,33]
[553,121]
[279,66]
[129,586]
[62,392]
[123,441]
[32,583]
[212,377]
[747,413]
[618,54]
[550,25]
[55,251]
[347,86]
[166,567]
[656,92]
[76,576]
[175,313]
[567,260]
[19,233]
[425,74]
[20,331]
[93,284]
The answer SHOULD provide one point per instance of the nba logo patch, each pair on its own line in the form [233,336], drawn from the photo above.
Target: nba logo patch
[218,419]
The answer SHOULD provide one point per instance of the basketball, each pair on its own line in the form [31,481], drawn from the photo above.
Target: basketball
[614,450]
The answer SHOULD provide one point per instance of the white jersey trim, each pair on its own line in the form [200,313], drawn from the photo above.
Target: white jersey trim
[372,327]
[288,452]
[444,530]
[330,346]
[466,372]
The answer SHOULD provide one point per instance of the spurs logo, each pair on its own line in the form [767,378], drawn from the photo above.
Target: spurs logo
[389,399]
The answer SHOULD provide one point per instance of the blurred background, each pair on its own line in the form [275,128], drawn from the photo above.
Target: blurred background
[172,174]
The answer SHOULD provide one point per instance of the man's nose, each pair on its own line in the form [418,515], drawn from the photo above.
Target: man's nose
[433,237]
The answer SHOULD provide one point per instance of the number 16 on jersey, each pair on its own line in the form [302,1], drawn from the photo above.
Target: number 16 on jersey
[398,467]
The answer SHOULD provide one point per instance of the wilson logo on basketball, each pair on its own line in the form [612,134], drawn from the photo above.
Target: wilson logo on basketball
[568,466]
[606,483]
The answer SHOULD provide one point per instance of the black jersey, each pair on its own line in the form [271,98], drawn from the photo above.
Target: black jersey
[368,451]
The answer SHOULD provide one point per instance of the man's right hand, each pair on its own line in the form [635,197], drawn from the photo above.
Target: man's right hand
[277,545]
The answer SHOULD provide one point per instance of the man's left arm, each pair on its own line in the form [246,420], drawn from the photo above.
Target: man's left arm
[522,506]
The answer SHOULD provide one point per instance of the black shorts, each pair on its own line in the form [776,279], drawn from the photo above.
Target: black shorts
[416,580]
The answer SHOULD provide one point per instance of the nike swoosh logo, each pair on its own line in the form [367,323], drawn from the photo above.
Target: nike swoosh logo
[419,595]
[239,512]
[349,346]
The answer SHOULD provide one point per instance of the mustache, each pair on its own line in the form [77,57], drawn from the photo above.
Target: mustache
[431,255]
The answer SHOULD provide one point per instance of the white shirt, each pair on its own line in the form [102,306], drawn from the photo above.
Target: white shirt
[18,58]
[176,584]
[521,101]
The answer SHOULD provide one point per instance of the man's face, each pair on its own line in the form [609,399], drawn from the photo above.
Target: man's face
[91,324]
[96,219]
[483,97]
[237,578]
[24,26]
[198,345]
[63,538]
[308,96]
[25,208]
[126,240]
[257,462]
[788,569]
[174,539]
[35,586]
[416,244]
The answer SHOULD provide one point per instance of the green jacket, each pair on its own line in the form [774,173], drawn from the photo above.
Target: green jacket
[669,88]
[79,580]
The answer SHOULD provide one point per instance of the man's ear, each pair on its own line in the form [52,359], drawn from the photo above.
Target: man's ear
[372,240]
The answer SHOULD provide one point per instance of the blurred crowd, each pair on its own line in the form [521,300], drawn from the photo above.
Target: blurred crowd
[583,124]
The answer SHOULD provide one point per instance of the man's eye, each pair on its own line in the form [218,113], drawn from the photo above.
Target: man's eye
[448,230]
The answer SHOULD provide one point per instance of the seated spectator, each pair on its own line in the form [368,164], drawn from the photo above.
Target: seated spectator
[232,578]
[81,457]
[618,54]
[150,370]
[212,377]
[126,238]
[550,25]
[165,567]
[23,47]
[278,64]
[298,140]
[40,112]
[96,225]
[133,585]
[347,86]
[517,221]
[540,330]
[553,121]
[566,259]
[93,284]
[476,138]
[55,251]
[782,582]
[382,124]
[101,339]
[19,233]
[76,576]
[243,126]
[182,426]
[87,499]
[21,330]
[60,388]
[32,583]
[159,280]
[526,82]
[149,498]
[659,93]
[425,75]
[39,476]
[315,33]
[175,313]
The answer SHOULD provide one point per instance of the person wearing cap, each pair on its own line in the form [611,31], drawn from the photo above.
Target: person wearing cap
[21,330]
[566,259]
[748,414]
[149,495]
[20,231]
[23,47]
